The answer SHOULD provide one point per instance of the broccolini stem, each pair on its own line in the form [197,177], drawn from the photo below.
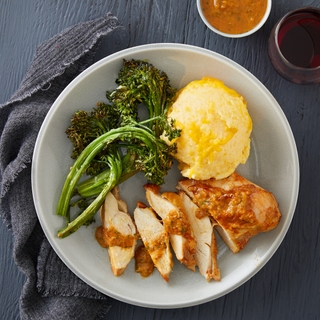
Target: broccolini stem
[93,186]
[80,166]
[87,155]
[90,211]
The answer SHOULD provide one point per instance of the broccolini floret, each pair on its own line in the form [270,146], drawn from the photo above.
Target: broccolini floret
[87,126]
[140,82]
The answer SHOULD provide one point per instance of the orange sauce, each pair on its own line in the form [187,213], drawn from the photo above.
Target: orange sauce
[143,262]
[109,237]
[177,223]
[234,16]
[233,208]
[157,247]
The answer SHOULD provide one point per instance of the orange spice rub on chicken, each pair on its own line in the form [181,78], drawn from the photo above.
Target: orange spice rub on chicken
[155,239]
[241,208]
[175,223]
[117,233]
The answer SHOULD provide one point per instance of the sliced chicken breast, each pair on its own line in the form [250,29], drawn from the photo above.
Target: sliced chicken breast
[119,233]
[155,239]
[206,245]
[241,208]
[176,223]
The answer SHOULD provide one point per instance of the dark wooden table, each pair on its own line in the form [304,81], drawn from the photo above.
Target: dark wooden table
[288,287]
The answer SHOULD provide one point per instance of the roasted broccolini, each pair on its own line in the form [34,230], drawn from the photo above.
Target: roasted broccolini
[111,144]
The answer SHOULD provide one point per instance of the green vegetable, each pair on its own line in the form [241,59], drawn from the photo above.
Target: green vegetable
[115,172]
[141,82]
[94,185]
[86,127]
[111,144]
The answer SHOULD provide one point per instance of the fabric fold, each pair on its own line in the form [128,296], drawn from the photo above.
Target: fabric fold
[51,291]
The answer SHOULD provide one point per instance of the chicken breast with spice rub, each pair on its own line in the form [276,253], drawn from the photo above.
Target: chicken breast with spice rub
[155,239]
[240,208]
[117,233]
[176,223]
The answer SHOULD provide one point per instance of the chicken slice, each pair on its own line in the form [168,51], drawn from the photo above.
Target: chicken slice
[241,208]
[122,205]
[206,245]
[176,223]
[119,232]
[155,239]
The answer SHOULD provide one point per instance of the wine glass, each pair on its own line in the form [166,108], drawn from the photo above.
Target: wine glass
[294,46]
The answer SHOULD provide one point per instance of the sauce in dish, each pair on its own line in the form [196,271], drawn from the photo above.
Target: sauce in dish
[234,16]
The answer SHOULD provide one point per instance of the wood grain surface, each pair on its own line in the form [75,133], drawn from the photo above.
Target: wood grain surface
[288,287]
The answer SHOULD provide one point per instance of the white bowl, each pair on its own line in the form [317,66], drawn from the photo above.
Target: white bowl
[239,35]
[273,164]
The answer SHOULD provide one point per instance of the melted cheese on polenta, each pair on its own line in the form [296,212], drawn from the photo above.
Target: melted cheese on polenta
[216,128]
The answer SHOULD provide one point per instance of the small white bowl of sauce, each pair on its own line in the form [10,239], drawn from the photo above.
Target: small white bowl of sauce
[234,18]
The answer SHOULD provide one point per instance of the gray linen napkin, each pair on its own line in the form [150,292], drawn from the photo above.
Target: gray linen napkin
[51,291]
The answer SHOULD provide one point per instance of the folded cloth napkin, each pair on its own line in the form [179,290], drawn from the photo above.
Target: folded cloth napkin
[51,290]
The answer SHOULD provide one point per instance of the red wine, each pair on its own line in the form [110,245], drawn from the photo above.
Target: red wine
[299,39]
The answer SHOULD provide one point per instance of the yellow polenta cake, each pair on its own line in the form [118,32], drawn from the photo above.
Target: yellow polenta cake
[216,128]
